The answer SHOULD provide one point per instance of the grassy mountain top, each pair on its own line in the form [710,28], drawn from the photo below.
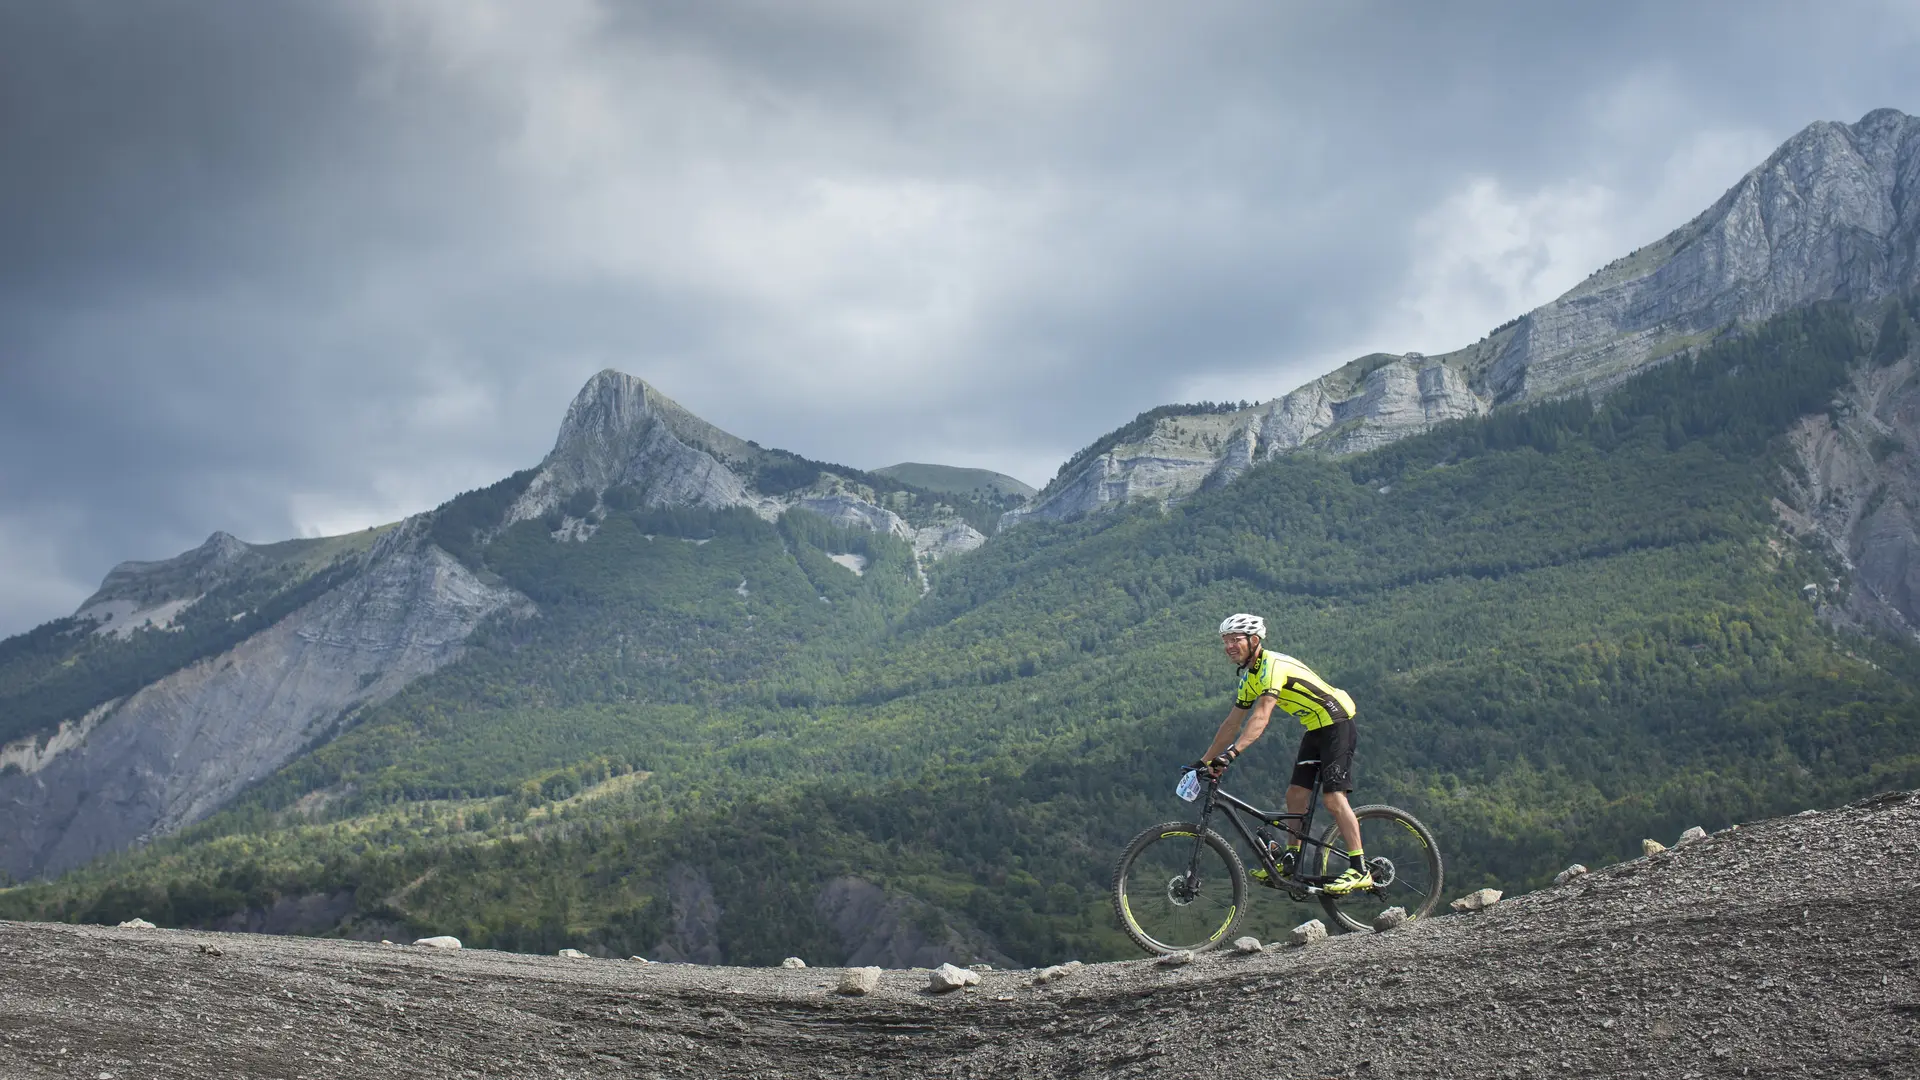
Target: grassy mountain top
[950,480]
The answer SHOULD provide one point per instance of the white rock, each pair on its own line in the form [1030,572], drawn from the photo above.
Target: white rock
[1651,847]
[1571,872]
[138,924]
[1308,932]
[573,954]
[1688,837]
[979,967]
[442,942]
[1390,918]
[1179,958]
[793,962]
[860,980]
[1478,900]
[1246,945]
[948,977]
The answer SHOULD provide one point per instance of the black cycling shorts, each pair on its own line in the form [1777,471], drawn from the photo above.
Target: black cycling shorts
[1328,753]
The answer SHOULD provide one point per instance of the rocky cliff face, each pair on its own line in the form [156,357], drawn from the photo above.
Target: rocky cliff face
[1834,214]
[180,747]
[622,432]
[1856,493]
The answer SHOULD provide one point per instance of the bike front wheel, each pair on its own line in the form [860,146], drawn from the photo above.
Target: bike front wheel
[1179,886]
[1402,856]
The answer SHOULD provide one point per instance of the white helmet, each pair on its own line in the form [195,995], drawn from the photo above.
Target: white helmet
[1244,624]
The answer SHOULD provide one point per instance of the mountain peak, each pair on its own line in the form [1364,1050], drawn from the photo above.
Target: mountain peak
[613,405]
[622,432]
[1832,214]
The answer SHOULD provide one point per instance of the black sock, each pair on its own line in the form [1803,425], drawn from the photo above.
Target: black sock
[1357,859]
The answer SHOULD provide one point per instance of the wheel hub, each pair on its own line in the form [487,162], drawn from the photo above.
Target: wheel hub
[1382,870]
[1179,892]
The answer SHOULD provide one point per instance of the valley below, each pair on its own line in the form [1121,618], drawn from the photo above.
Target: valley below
[1777,948]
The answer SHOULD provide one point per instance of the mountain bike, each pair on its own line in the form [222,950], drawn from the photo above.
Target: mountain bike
[1181,885]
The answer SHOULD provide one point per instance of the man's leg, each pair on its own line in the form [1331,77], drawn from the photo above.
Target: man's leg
[1338,781]
[1342,812]
[1297,797]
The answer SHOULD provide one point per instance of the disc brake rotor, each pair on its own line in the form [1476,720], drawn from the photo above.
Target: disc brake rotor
[1382,870]
[1178,892]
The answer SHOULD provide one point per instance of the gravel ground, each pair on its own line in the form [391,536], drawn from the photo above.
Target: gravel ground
[1784,948]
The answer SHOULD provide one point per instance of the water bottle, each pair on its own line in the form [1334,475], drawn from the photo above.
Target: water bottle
[1189,786]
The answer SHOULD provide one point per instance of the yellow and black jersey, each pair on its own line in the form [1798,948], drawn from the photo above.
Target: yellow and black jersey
[1298,691]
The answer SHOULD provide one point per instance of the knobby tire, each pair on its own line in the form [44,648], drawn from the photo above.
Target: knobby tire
[1144,889]
[1386,833]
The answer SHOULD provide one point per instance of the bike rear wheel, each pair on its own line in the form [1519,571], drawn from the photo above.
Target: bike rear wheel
[1179,887]
[1403,858]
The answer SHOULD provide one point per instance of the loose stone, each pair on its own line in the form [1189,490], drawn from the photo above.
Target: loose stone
[1479,900]
[1389,919]
[1308,932]
[1571,872]
[860,980]
[444,941]
[573,954]
[793,962]
[137,924]
[1246,945]
[948,977]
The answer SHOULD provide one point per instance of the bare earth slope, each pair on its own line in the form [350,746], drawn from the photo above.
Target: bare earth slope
[1778,949]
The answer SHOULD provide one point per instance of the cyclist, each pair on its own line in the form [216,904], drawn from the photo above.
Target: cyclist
[1268,679]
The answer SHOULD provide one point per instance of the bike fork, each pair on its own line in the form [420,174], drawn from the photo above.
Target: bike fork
[1199,843]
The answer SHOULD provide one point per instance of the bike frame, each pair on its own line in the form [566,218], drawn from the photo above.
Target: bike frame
[1229,803]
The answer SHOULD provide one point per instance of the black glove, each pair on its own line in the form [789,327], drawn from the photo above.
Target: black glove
[1215,766]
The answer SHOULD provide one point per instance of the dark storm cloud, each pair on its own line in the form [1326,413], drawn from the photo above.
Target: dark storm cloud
[303,267]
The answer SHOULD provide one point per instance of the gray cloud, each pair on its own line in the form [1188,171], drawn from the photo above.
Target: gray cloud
[280,269]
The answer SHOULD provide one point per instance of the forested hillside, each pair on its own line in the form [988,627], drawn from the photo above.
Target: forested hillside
[1566,628]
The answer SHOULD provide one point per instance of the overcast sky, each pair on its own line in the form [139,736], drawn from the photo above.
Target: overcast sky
[297,268]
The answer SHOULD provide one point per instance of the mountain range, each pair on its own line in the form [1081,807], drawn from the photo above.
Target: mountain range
[604,700]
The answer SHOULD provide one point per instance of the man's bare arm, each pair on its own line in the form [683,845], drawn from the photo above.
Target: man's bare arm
[1236,717]
[1242,727]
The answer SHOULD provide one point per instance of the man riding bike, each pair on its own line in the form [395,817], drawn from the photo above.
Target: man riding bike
[1268,679]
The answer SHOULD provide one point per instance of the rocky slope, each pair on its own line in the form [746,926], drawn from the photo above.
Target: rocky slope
[1855,491]
[1775,949]
[1834,214]
[179,748]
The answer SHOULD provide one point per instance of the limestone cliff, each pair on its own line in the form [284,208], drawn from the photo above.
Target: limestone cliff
[1834,214]
[179,748]
[1855,492]
[622,432]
